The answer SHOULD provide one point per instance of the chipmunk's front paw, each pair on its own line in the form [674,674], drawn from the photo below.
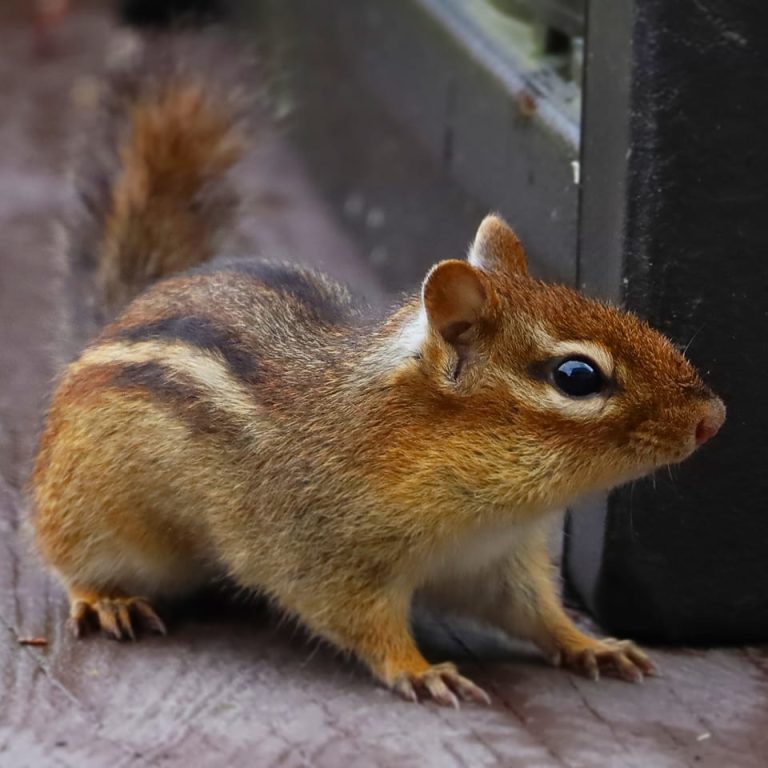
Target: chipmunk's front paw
[442,683]
[620,658]
[118,617]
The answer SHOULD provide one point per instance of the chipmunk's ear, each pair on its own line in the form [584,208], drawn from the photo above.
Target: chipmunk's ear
[455,296]
[497,248]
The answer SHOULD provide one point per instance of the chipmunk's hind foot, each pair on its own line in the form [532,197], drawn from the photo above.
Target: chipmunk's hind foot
[118,616]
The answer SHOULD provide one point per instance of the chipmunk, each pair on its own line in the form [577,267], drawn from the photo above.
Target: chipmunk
[252,419]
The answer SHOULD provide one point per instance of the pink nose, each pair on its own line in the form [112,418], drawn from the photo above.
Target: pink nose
[710,425]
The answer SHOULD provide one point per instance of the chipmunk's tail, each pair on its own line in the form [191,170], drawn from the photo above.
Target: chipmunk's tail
[157,199]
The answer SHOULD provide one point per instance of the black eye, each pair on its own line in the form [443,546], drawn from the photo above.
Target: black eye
[576,377]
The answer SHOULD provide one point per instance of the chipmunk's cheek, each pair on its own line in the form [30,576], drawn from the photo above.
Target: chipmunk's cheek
[653,442]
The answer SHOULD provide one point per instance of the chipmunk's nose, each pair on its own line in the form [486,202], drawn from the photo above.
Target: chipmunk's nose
[710,425]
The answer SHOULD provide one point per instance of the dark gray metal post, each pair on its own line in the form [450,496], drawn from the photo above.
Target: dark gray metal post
[674,222]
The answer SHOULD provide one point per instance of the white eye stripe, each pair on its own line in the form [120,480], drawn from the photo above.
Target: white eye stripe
[551,347]
[575,408]
[578,408]
[589,349]
[543,396]
[540,395]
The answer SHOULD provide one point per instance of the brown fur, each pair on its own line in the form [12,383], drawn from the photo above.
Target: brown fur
[250,420]
[163,211]
[154,180]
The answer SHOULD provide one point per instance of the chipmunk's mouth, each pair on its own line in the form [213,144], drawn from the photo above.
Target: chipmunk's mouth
[650,455]
[665,454]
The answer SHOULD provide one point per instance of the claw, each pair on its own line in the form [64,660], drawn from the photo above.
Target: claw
[622,658]
[148,616]
[442,684]
[404,687]
[590,665]
[79,618]
[641,660]
[440,692]
[116,616]
[467,689]
[108,619]
[124,620]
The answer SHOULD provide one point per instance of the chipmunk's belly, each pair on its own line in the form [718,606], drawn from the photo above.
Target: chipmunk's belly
[481,550]
[466,576]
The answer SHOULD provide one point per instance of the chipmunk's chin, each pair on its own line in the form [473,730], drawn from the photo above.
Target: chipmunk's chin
[636,472]
[676,456]
[636,468]
[646,467]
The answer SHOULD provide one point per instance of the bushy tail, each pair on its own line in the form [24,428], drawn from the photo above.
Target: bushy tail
[157,197]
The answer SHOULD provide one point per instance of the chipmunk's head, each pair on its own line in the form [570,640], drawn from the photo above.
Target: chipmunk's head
[551,390]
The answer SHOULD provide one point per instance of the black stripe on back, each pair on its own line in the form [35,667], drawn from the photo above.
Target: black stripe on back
[198,413]
[327,302]
[198,332]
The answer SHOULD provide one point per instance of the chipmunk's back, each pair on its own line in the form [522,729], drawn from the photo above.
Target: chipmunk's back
[269,323]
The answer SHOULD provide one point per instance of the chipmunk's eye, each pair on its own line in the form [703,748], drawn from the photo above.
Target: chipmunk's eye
[577,377]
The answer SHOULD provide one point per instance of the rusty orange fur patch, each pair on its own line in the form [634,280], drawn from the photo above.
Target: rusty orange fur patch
[168,201]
